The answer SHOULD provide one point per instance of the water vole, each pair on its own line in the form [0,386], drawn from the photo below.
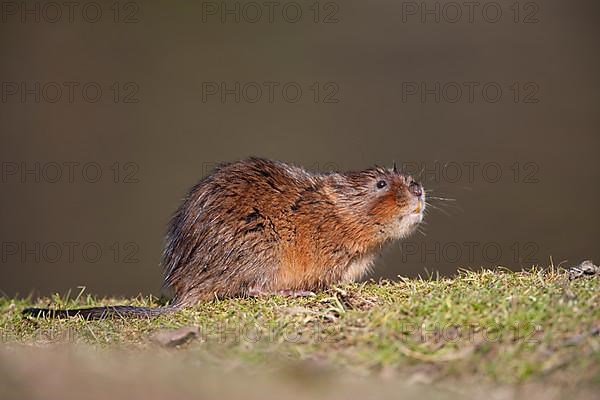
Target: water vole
[259,227]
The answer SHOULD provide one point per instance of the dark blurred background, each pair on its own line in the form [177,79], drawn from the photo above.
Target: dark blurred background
[110,111]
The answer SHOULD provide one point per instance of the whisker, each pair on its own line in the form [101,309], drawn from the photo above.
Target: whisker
[448,206]
[439,209]
[441,198]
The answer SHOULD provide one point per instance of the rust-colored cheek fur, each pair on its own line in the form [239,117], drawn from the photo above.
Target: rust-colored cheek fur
[385,208]
[265,226]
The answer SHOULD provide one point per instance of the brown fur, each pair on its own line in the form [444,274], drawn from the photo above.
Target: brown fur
[266,226]
[260,226]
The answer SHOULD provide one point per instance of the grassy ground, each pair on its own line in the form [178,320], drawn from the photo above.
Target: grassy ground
[477,333]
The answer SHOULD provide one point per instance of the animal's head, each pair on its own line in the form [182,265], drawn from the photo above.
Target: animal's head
[390,202]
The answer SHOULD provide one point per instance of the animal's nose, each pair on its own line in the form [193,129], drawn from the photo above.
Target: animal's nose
[415,188]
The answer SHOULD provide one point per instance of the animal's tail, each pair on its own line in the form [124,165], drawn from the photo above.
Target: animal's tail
[100,312]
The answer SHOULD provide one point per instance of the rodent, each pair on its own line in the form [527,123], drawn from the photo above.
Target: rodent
[258,226]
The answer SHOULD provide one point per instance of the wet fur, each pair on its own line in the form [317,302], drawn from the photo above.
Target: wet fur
[261,226]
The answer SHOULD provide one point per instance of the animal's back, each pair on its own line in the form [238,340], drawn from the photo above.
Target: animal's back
[231,232]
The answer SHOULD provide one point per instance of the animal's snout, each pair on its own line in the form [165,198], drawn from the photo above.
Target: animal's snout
[415,188]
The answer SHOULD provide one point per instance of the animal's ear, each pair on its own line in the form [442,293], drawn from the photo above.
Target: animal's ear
[395,169]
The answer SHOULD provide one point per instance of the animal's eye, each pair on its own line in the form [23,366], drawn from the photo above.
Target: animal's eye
[381,184]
